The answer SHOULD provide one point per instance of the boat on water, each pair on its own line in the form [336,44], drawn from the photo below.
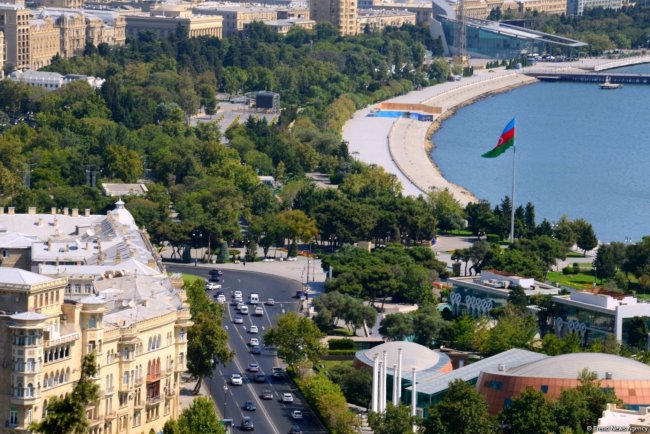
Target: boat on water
[608,85]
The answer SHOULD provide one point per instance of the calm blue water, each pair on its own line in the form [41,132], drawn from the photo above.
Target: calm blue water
[581,151]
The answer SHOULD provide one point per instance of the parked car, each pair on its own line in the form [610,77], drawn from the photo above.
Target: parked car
[253,367]
[292,258]
[296,415]
[287,397]
[259,311]
[253,329]
[212,285]
[270,302]
[238,320]
[247,424]
[236,380]
[267,394]
[250,406]
[256,350]
[278,372]
[253,342]
[260,377]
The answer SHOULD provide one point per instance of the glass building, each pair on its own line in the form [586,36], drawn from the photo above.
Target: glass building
[490,39]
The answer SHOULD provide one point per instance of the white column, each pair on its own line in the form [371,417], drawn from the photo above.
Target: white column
[375,385]
[413,392]
[399,375]
[395,402]
[380,386]
[383,391]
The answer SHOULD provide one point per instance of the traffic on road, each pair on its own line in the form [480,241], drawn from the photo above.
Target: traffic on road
[253,392]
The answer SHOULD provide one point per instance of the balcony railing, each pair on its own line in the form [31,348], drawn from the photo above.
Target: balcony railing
[138,381]
[153,400]
[169,391]
[110,415]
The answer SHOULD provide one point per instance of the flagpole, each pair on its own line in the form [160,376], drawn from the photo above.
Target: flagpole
[512,198]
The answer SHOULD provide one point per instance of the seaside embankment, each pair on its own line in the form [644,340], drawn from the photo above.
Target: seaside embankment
[403,146]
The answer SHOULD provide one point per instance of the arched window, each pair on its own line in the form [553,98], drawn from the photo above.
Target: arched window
[92,322]
[44,408]
[159,342]
[150,347]
[45,379]
[57,296]
[30,390]
[61,377]
[41,298]
[67,375]
[20,391]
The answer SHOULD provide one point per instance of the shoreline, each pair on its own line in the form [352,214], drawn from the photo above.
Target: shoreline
[436,124]
[398,144]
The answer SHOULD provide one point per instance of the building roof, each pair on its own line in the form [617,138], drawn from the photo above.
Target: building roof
[28,316]
[570,365]
[413,356]
[16,276]
[121,189]
[130,266]
[16,240]
[436,383]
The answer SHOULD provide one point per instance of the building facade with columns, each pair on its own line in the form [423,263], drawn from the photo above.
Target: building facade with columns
[165,20]
[116,302]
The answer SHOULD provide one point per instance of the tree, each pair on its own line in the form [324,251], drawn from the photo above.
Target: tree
[395,420]
[637,333]
[328,401]
[296,338]
[296,225]
[514,329]
[461,411]
[518,299]
[200,417]
[447,211]
[586,237]
[528,413]
[356,384]
[439,70]
[396,326]
[68,415]
[605,262]
[207,340]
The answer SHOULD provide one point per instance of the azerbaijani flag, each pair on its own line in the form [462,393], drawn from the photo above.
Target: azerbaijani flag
[506,140]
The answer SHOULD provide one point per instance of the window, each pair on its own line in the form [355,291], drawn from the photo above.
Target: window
[544,388]
[4,254]
[506,403]
[92,322]
[29,416]
[77,288]
[13,417]
[496,385]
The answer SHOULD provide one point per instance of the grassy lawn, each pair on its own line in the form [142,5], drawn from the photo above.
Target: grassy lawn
[581,281]
[341,331]
[574,255]
[329,364]
[190,277]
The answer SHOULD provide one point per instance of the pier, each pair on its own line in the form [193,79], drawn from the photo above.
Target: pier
[591,77]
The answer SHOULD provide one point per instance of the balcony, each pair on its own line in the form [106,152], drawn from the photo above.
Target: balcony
[138,405]
[126,387]
[110,415]
[169,370]
[170,391]
[153,400]
[108,392]
[138,381]
[51,341]
[25,396]
[154,376]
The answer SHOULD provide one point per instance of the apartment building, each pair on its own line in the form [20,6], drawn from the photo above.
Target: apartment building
[577,7]
[164,20]
[376,20]
[236,16]
[340,13]
[283,26]
[422,10]
[480,9]
[33,37]
[129,313]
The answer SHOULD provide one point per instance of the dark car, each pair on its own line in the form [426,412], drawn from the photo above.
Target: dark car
[213,278]
[300,294]
[295,430]
[260,377]
[267,394]
[216,272]
[250,406]
[256,350]
[247,424]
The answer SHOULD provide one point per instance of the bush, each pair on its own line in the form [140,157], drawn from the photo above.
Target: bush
[567,270]
[327,399]
[341,352]
[492,238]
[576,268]
[341,344]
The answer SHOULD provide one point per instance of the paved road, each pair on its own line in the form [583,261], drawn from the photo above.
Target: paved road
[271,416]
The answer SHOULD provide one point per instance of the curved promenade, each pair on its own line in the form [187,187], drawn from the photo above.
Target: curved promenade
[402,146]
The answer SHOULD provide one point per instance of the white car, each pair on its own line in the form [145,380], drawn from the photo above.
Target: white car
[221,298]
[296,415]
[243,310]
[236,380]
[270,302]
[239,306]
[287,397]
[212,285]
[237,294]
[253,342]
[292,258]
[252,329]
[259,311]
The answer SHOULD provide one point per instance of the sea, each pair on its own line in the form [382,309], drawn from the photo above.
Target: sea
[580,151]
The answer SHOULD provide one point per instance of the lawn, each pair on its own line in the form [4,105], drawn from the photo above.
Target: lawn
[574,255]
[190,277]
[583,280]
[325,365]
